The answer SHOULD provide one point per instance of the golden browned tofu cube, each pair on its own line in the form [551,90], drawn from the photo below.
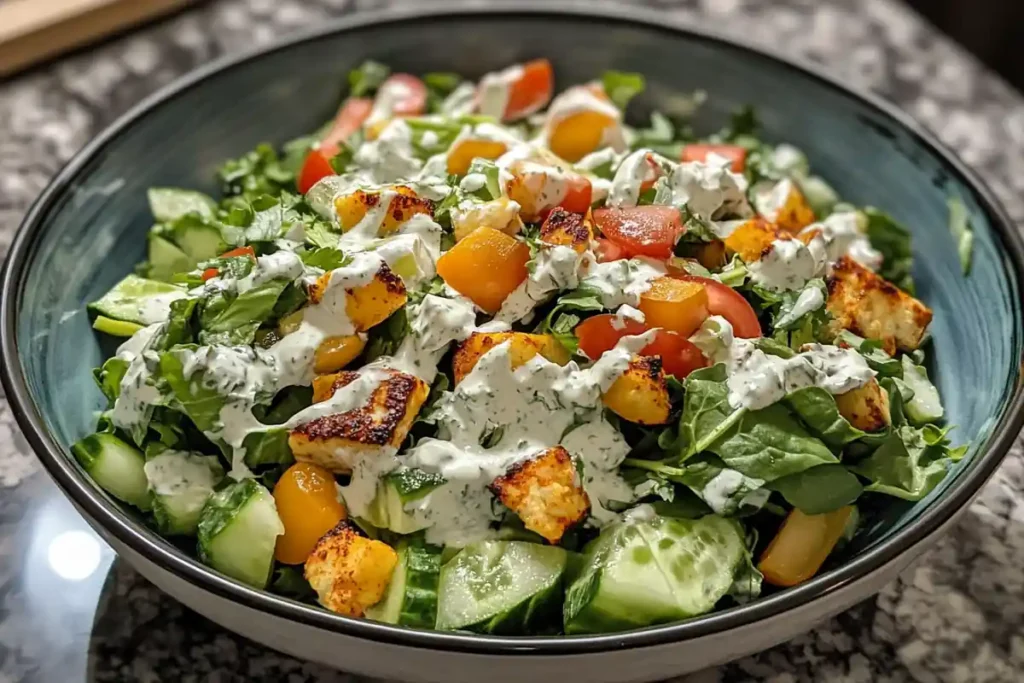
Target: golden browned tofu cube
[641,394]
[349,572]
[338,441]
[523,348]
[567,229]
[545,492]
[752,239]
[370,304]
[501,214]
[352,208]
[866,407]
[786,207]
[868,305]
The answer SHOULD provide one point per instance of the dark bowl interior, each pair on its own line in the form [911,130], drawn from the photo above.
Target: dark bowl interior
[89,229]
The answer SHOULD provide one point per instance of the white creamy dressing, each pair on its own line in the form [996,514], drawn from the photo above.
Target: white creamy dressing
[180,473]
[626,313]
[494,399]
[841,235]
[390,157]
[709,188]
[786,264]
[771,200]
[555,268]
[757,380]
[542,176]
[623,281]
[721,492]
[434,324]
[810,299]
[460,101]
[494,90]
[581,99]
[156,308]
[391,92]
[631,174]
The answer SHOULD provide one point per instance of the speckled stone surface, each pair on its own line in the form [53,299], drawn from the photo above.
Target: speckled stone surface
[70,612]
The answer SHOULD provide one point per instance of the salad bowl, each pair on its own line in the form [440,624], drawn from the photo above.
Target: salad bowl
[89,226]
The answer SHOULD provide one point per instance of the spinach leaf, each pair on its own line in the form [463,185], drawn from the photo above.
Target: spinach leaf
[168,204]
[563,329]
[879,361]
[817,409]
[685,505]
[325,258]
[746,584]
[385,338]
[367,77]
[820,489]
[179,326]
[291,582]
[725,490]
[286,404]
[909,463]
[705,406]
[621,86]
[893,240]
[108,377]
[412,483]
[489,170]
[191,396]
[960,226]
[560,323]
[797,306]
[267,447]
[236,322]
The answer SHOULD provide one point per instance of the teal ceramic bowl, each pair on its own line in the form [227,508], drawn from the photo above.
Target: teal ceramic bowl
[88,229]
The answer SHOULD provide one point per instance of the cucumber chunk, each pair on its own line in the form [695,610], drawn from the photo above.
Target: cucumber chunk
[201,241]
[115,328]
[181,483]
[165,259]
[405,485]
[640,572]
[171,203]
[117,467]
[238,529]
[138,300]
[509,587]
[925,406]
[411,599]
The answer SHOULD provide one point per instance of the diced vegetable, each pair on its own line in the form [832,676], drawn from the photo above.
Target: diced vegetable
[675,305]
[405,94]
[544,182]
[387,511]
[353,112]
[370,304]
[567,229]
[736,154]
[238,529]
[411,598]
[462,153]
[600,333]
[866,407]
[725,301]
[181,484]
[579,134]
[641,572]
[168,204]
[115,328]
[485,250]
[117,467]
[334,353]
[641,230]
[507,587]
[801,546]
[530,90]
[315,168]
[138,300]
[523,347]
[925,406]
[404,204]
[641,394]
[308,505]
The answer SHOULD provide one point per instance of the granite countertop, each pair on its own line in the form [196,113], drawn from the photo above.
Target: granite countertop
[70,611]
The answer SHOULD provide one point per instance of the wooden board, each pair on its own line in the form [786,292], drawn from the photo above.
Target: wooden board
[34,30]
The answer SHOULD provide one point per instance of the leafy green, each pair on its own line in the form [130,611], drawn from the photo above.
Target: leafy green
[925,406]
[321,234]
[878,360]
[893,241]
[662,136]
[621,86]
[442,81]
[412,483]
[909,463]
[817,409]
[705,406]
[819,489]
[385,338]
[743,122]
[367,77]
[291,582]
[255,173]
[787,318]
[170,203]
[563,329]
[960,226]
[132,297]
[561,323]
[731,493]
[489,170]
[325,258]
[108,377]
[235,321]
[202,404]
[267,447]
[286,404]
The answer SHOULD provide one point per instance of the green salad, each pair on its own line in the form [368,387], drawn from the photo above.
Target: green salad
[484,357]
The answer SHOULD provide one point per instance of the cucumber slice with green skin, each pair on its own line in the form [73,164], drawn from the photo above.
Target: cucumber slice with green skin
[509,587]
[238,529]
[387,511]
[651,571]
[181,483]
[138,300]
[115,328]
[926,406]
[201,241]
[116,466]
[171,203]
[411,599]
[166,260]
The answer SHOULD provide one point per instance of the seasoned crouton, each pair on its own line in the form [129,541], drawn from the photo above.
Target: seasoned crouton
[641,394]
[866,407]
[349,572]
[334,353]
[338,441]
[567,229]
[867,305]
[369,304]
[785,206]
[501,214]
[404,204]
[545,493]
[752,239]
[524,347]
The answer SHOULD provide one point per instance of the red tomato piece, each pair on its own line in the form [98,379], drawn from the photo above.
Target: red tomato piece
[316,166]
[641,230]
[725,301]
[577,195]
[609,251]
[407,94]
[354,111]
[211,273]
[601,333]
[734,153]
[531,91]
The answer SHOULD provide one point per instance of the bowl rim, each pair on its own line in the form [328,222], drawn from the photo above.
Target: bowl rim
[97,508]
